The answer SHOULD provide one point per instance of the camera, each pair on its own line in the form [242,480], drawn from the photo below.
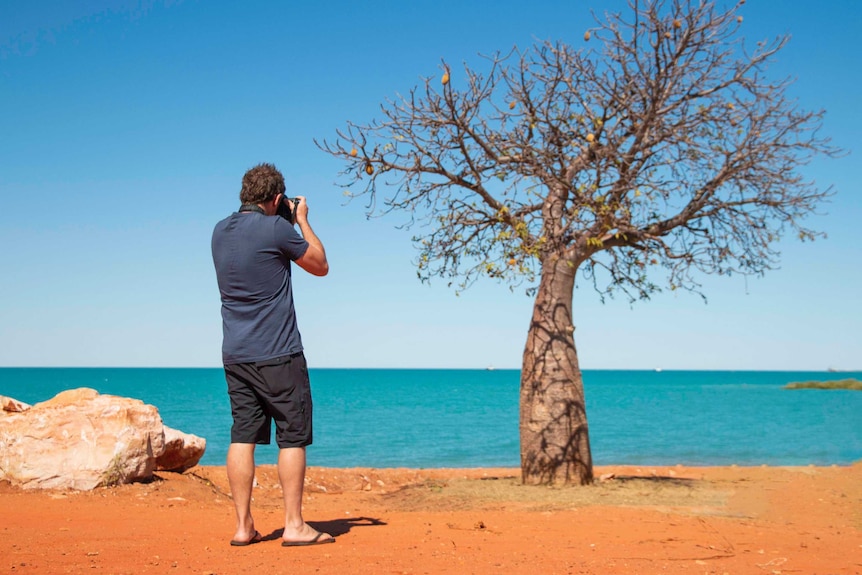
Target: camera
[287,208]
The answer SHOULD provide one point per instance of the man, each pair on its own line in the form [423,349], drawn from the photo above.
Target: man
[264,365]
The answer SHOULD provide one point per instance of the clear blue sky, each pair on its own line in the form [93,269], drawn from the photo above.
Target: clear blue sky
[126,126]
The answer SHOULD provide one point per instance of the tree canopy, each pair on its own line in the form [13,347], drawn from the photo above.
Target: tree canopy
[660,143]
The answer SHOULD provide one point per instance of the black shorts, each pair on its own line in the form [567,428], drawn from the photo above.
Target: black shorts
[265,391]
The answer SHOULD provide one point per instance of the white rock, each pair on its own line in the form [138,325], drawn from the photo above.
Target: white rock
[80,440]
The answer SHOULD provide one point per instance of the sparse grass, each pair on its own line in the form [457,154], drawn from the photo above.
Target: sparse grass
[509,493]
[854,384]
[113,475]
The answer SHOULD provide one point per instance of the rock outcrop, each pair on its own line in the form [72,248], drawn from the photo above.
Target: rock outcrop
[182,451]
[12,405]
[82,440]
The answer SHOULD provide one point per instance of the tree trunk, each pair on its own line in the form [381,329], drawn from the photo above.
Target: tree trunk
[555,444]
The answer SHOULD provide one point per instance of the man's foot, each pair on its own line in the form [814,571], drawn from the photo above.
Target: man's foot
[305,536]
[319,539]
[256,538]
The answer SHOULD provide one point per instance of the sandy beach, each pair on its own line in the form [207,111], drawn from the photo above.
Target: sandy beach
[638,519]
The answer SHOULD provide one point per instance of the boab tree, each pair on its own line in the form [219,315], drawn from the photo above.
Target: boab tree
[657,149]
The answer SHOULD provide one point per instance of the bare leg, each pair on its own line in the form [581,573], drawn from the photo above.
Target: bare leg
[240,475]
[291,475]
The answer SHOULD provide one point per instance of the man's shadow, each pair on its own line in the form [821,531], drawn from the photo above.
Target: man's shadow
[334,527]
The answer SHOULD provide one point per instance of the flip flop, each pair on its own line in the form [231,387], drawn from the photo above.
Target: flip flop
[256,538]
[316,541]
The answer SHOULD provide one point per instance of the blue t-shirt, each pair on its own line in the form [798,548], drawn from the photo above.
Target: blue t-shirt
[252,254]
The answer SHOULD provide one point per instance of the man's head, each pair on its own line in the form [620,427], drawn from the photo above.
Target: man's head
[261,184]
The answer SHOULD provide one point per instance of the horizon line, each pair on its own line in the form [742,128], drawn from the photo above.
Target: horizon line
[490,368]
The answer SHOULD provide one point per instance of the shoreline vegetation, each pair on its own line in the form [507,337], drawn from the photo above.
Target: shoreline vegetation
[850,383]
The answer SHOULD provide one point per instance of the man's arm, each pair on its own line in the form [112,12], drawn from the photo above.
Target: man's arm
[314,259]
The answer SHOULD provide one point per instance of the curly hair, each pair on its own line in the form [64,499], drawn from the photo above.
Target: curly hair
[260,184]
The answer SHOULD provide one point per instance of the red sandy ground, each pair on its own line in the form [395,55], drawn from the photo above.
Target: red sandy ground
[690,520]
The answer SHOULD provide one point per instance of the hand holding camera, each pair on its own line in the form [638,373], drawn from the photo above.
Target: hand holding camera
[287,208]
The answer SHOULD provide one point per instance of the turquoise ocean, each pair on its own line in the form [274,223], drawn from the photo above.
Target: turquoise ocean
[469,418]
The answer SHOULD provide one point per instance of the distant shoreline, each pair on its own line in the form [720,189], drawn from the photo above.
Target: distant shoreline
[849,383]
